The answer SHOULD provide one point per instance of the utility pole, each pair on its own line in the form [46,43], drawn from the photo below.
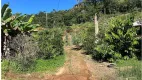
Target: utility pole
[96,25]
[46,19]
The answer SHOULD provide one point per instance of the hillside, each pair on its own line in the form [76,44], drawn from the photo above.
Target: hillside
[94,40]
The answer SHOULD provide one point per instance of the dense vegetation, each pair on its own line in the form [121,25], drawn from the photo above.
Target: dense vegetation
[119,41]
[50,43]
[25,45]
[116,39]
[84,11]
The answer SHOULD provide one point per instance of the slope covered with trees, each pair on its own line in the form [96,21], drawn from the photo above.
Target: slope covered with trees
[85,10]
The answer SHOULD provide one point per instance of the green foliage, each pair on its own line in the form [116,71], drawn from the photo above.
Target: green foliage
[119,41]
[89,41]
[130,69]
[5,64]
[21,26]
[14,24]
[49,65]
[76,40]
[85,11]
[50,43]
[5,12]
[6,19]
[80,32]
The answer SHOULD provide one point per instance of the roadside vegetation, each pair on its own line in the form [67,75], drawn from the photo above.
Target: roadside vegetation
[27,47]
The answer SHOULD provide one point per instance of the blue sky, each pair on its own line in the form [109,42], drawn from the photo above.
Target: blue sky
[34,6]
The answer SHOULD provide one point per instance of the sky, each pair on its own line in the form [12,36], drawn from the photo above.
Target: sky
[35,6]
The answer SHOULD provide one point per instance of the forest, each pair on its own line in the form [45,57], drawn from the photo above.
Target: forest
[93,37]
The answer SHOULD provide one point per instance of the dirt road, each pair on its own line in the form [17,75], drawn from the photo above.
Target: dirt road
[79,66]
[75,67]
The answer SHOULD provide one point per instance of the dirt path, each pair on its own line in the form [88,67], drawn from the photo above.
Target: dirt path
[81,67]
[75,67]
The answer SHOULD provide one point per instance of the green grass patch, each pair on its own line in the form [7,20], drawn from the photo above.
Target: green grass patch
[49,65]
[40,65]
[129,69]
[4,67]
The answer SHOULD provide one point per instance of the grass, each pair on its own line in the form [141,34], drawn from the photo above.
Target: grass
[50,65]
[4,67]
[129,69]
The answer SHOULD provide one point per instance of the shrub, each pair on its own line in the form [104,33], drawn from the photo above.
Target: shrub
[89,40]
[81,33]
[50,43]
[119,41]
[23,50]
[78,37]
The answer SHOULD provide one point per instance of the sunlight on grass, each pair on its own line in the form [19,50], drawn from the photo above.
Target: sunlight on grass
[50,65]
[129,69]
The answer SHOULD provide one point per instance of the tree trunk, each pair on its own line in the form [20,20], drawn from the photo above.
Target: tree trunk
[5,48]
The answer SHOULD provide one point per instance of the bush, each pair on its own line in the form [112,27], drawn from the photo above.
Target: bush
[119,41]
[50,43]
[78,37]
[23,50]
[89,40]
[81,33]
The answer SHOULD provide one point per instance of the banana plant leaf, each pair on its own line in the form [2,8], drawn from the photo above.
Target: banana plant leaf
[7,13]
[3,9]
[31,19]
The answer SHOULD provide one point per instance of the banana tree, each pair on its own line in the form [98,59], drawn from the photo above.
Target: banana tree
[6,18]
[11,25]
